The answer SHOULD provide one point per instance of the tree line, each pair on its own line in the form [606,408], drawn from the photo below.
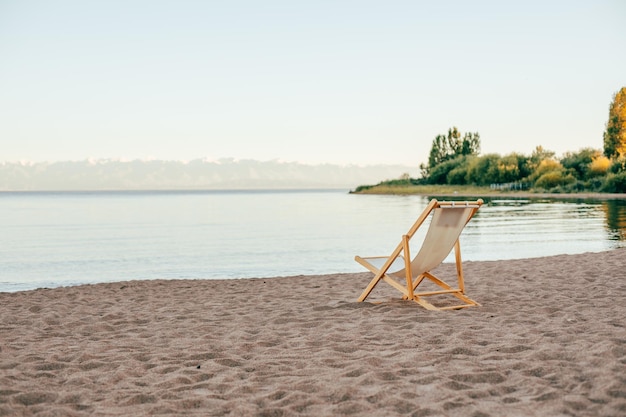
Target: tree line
[455,159]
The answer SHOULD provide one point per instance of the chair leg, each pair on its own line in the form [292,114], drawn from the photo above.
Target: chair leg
[418,281]
[407,268]
[459,266]
[370,287]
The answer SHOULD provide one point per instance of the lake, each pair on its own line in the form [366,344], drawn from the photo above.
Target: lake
[55,239]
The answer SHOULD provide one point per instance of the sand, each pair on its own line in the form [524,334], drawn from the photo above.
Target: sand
[549,340]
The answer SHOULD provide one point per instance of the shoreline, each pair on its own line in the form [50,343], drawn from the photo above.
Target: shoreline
[556,196]
[549,339]
[400,191]
[52,286]
[509,195]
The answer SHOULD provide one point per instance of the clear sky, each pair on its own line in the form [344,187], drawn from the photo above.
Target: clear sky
[337,81]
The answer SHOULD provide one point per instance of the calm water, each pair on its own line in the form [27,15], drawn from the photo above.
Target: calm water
[54,239]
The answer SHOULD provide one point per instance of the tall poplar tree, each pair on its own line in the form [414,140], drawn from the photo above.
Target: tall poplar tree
[615,133]
[452,145]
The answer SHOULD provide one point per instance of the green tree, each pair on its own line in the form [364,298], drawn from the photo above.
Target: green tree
[523,164]
[470,145]
[618,165]
[440,150]
[538,155]
[615,133]
[580,162]
[488,169]
[450,146]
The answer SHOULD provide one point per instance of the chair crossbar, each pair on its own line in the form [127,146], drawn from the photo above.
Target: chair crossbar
[457,307]
[428,293]
[458,204]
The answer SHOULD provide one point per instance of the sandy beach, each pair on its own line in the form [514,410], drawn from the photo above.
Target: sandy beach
[548,340]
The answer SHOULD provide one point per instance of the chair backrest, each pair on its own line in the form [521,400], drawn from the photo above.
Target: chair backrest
[444,230]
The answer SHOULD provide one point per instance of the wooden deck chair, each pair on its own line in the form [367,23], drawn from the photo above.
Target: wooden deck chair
[448,220]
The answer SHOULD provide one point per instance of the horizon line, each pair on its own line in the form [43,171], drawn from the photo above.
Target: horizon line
[219,161]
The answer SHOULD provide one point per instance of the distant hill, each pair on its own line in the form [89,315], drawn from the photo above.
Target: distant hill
[198,174]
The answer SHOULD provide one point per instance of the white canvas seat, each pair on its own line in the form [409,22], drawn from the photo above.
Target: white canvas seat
[448,221]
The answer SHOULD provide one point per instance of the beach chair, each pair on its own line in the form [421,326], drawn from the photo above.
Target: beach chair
[447,222]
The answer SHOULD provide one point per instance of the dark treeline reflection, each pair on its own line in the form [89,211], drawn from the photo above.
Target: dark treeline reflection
[615,211]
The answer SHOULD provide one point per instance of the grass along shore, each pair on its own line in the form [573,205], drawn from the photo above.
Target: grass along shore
[474,191]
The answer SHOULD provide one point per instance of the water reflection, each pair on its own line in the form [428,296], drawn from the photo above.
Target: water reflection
[615,212]
[528,227]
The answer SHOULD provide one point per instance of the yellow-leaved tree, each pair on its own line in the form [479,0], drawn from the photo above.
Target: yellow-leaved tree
[615,133]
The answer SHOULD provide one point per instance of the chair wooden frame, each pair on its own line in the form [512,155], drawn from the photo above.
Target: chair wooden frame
[414,278]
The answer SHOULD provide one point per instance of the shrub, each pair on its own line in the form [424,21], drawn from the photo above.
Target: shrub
[547,165]
[580,162]
[618,165]
[484,170]
[439,173]
[594,184]
[361,188]
[599,166]
[458,176]
[554,179]
[615,183]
